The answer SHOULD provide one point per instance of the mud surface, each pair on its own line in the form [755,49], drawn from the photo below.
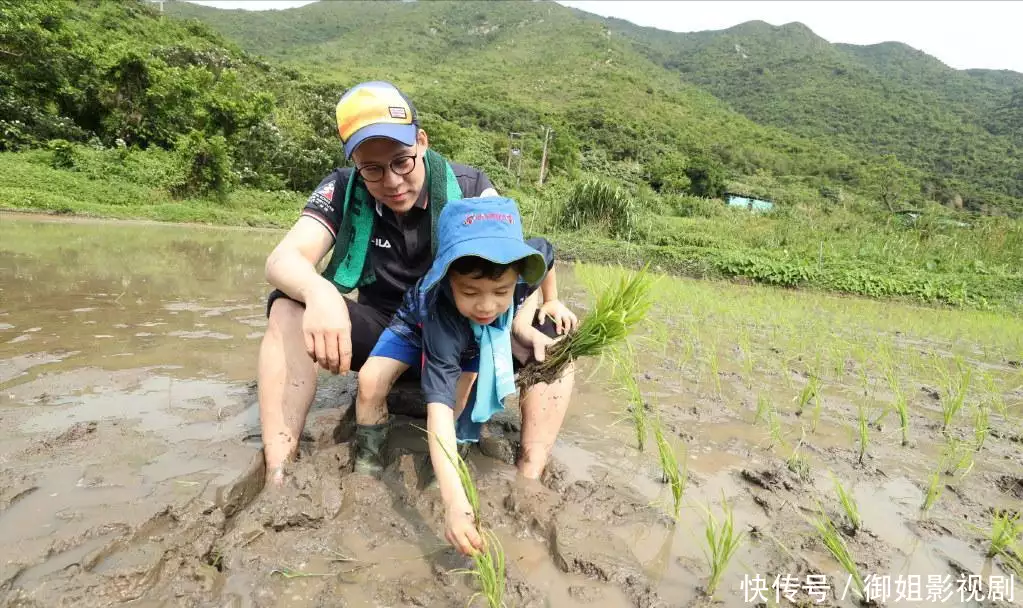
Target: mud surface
[131,471]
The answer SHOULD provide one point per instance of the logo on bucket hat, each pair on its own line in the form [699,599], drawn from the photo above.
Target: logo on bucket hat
[375,109]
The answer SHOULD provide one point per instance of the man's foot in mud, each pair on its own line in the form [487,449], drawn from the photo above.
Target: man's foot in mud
[370,441]
[275,477]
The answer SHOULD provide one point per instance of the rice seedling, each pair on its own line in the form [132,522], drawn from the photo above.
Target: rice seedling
[838,549]
[798,463]
[722,542]
[763,409]
[864,433]
[981,427]
[848,503]
[1006,529]
[489,564]
[958,456]
[900,404]
[810,391]
[625,372]
[747,357]
[713,364]
[955,388]
[994,396]
[618,310]
[672,473]
[774,423]
[934,489]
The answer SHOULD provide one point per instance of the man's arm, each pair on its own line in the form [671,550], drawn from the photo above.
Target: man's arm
[291,266]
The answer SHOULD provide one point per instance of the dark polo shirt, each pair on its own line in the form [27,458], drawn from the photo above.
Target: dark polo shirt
[400,247]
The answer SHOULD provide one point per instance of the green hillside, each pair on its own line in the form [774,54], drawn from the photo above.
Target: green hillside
[108,108]
[955,131]
[878,99]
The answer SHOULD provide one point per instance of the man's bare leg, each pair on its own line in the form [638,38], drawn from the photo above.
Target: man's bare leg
[543,412]
[286,385]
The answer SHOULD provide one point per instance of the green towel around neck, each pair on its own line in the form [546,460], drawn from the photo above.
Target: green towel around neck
[347,268]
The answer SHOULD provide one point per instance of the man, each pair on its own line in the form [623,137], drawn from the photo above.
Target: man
[378,218]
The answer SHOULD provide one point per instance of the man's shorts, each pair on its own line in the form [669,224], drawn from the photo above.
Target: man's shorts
[367,322]
[405,344]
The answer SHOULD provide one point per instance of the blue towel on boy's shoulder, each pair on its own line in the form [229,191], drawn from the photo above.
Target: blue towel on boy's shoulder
[496,379]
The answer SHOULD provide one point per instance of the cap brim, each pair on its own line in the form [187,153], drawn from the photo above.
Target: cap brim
[403,134]
[497,250]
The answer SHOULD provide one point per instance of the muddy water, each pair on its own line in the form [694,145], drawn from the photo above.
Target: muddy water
[130,470]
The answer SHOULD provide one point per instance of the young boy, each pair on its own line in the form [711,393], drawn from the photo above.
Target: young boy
[462,321]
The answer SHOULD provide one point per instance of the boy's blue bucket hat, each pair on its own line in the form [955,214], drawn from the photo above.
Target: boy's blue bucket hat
[489,228]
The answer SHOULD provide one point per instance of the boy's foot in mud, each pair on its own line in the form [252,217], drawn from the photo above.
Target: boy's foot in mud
[370,440]
[429,480]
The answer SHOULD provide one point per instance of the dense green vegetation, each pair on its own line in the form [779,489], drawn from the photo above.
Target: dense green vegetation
[110,109]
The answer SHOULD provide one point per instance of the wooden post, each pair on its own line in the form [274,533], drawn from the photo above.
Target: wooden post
[543,159]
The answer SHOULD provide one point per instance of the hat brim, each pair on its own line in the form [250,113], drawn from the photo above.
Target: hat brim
[403,134]
[497,250]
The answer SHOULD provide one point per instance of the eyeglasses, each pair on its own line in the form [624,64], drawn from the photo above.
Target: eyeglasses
[401,165]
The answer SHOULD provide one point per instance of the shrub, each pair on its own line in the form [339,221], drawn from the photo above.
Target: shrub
[205,164]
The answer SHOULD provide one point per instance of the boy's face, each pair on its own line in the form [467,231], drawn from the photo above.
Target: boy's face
[482,299]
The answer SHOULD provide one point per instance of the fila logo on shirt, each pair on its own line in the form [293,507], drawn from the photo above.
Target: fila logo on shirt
[384,243]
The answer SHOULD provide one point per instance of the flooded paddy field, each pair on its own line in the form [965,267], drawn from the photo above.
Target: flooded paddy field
[130,470]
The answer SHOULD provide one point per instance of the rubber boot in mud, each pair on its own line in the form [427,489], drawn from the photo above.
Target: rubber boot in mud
[370,442]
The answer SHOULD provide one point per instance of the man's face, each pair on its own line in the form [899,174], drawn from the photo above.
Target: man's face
[482,299]
[380,155]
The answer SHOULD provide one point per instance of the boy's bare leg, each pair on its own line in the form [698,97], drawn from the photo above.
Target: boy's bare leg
[286,386]
[543,412]
[376,377]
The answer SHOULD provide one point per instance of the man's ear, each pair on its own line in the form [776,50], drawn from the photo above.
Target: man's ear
[422,139]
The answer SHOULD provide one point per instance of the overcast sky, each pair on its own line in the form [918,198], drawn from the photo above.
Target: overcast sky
[961,34]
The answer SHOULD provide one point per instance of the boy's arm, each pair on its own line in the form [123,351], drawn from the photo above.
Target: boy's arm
[564,319]
[444,340]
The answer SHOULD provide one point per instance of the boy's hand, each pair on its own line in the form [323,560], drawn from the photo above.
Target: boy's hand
[540,343]
[460,529]
[563,318]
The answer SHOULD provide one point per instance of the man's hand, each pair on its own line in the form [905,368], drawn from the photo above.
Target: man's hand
[328,330]
[460,528]
[563,318]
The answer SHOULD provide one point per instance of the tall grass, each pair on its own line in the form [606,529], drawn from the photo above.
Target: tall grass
[722,542]
[672,473]
[619,309]
[601,204]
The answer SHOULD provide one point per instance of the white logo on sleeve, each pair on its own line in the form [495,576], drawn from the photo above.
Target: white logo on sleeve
[383,243]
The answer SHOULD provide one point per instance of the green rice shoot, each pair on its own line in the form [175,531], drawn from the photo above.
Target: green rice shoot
[981,426]
[863,429]
[955,387]
[838,549]
[934,489]
[848,503]
[722,542]
[1006,529]
[900,404]
[672,472]
[625,372]
[489,564]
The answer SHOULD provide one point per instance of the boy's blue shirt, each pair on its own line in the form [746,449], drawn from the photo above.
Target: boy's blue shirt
[445,336]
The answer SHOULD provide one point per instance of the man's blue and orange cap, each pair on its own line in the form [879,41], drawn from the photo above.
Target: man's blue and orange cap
[489,228]
[375,109]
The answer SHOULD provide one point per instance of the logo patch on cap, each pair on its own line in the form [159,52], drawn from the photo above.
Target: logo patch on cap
[397,112]
[472,218]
